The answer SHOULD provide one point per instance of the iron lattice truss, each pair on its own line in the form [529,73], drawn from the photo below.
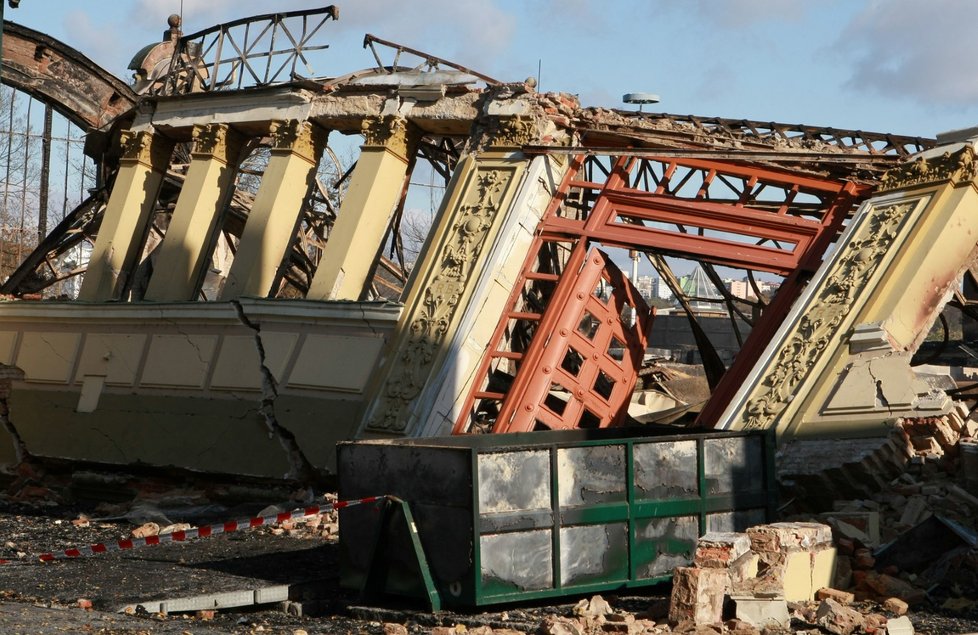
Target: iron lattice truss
[720,213]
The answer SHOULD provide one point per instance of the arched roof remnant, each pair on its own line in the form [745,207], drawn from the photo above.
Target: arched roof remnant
[78,88]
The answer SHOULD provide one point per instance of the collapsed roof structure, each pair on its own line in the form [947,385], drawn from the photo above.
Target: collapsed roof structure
[247,301]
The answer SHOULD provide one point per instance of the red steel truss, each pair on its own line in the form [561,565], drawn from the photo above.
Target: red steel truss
[587,365]
[728,213]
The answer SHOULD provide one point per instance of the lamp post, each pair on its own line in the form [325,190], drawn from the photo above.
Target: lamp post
[640,99]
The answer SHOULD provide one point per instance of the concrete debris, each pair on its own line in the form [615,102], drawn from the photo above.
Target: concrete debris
[836,618]
[899,626]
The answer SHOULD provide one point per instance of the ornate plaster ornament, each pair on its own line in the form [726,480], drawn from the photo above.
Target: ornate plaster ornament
[427,332]
[513,131]
[147,148]
[298,137]
[392,133]
[958,167]
[819,325]
[215,140]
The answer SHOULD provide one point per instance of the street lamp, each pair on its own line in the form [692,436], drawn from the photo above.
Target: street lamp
[640,99]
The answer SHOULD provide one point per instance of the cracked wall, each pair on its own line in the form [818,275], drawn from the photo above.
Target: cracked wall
[234,388]
[840,363]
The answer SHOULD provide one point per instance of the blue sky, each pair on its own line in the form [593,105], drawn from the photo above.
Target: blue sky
[899,66]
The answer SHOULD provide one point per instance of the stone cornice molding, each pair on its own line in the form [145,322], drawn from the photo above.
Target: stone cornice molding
[957,168]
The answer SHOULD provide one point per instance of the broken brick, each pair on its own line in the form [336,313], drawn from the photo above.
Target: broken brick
[718,550]
[697,595]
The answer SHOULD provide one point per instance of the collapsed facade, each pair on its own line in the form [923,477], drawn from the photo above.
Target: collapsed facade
[246,329]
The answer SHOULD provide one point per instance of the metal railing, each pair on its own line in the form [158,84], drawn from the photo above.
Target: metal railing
[251,52]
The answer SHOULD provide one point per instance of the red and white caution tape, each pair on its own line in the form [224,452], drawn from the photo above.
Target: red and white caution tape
[190,534]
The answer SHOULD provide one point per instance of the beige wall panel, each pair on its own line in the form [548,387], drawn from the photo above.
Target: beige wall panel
[48,357]
[335,362]
[238,364]
[7,341]
[115,356]
[179,360]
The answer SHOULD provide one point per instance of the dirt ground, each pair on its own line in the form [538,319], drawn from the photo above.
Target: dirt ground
[50,512]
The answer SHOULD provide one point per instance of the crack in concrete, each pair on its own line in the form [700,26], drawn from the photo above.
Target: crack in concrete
[300,466]
[21,453]
[176,325]
[54,350]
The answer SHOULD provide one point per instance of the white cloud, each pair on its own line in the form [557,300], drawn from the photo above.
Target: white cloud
[920,51]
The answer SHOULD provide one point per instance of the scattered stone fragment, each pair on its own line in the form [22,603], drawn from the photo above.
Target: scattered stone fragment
[597,606]
[837,619]
[552,625]
[899,626]
[718,550]
[762,611]
[146,530]
[697,595]
[842,597]
[84,603]
[895,605]
[395,629]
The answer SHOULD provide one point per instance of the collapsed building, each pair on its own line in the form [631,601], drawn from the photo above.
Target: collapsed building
[243,320]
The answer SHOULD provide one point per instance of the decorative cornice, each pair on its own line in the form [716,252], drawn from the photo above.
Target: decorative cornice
[959,167]
[511,131]
[147,148]
[216,140]
[298,137]
[392,133]
[824,315]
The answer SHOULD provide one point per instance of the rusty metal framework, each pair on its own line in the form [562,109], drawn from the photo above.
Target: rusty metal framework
[741,215]
[597,324]
[421,62]
[257,51]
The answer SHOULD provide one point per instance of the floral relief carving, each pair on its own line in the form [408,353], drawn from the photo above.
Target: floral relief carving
[391,132]
[458,254]
[820,323]
[299,137]
[958,167]
[145,147]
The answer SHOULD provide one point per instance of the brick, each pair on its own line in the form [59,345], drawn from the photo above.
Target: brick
[784,536]
[842,597]
[887,586]
[718,550]
[896,605]
[697,595]
[863,559]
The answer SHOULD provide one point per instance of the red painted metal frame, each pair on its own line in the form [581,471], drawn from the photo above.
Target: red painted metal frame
[790,241]
[587,325]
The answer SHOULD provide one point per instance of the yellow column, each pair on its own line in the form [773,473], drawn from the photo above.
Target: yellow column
[145,158]
[297,146]
[185,251]
[374,191]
